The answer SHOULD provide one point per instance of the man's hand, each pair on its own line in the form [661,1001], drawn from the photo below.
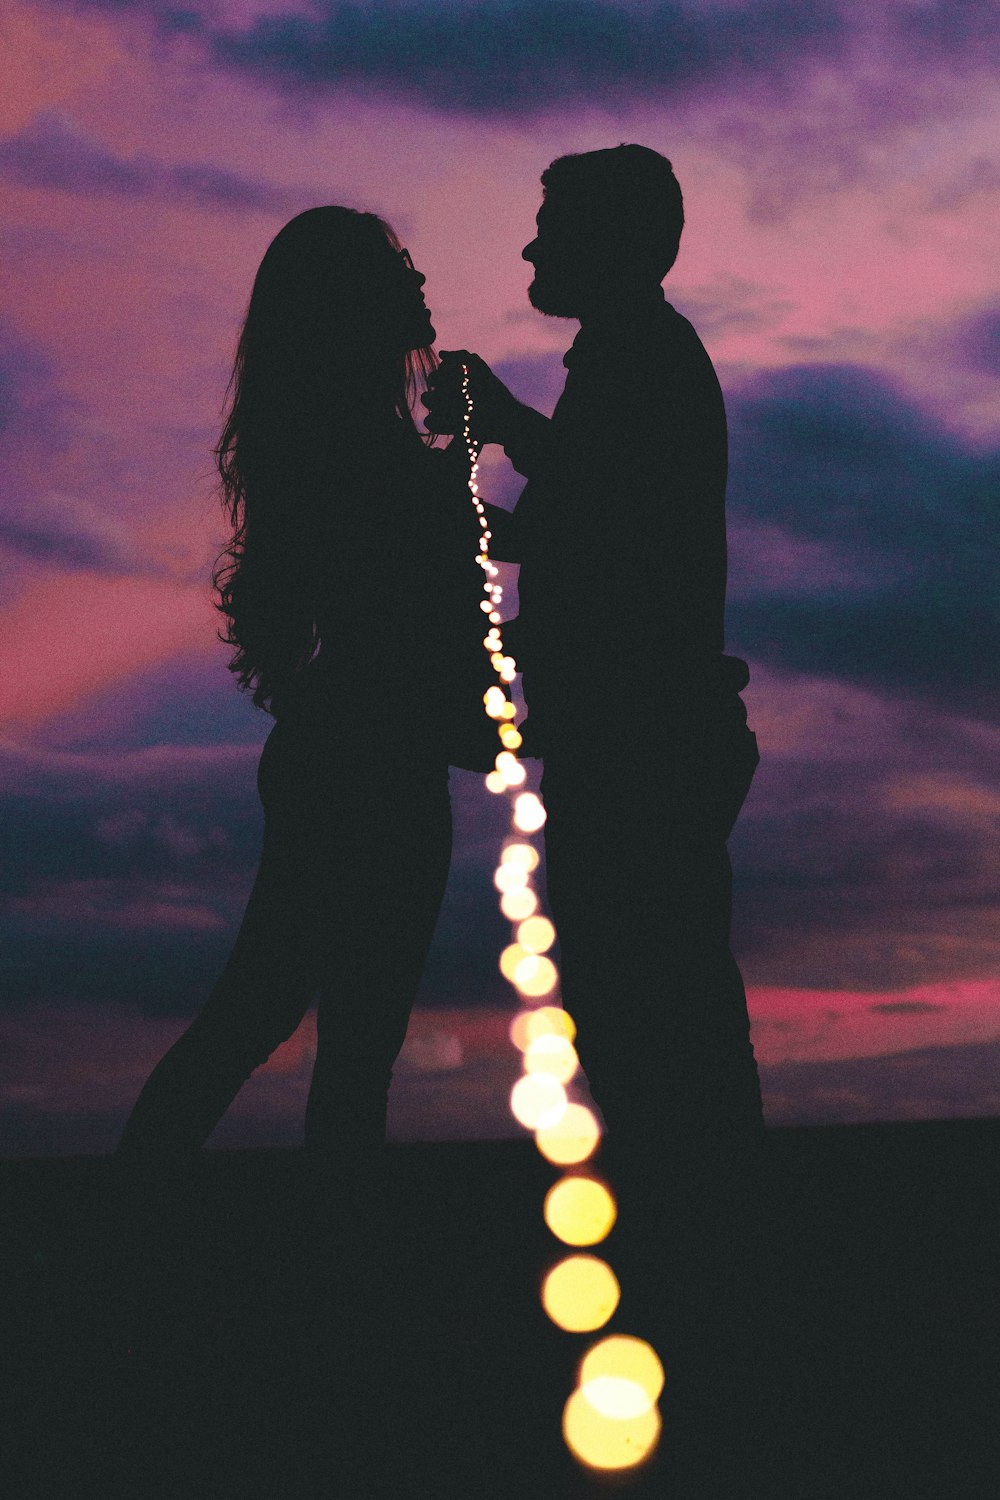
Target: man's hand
[493,404]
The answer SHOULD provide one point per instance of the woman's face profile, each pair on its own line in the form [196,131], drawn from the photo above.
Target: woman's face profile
[398,300]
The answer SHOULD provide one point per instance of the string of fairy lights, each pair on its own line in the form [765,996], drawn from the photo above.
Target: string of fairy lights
[611,1421]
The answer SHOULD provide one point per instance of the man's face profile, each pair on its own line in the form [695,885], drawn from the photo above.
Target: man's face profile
[564,273]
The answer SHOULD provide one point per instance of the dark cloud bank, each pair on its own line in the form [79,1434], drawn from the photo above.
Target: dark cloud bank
[530,56]
[836,455]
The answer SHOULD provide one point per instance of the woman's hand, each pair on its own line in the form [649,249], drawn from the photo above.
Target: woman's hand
[493,404]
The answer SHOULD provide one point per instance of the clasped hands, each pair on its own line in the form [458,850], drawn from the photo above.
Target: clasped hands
[493,405]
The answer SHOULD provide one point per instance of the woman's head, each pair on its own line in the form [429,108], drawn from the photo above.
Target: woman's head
[334,343]
[336,315]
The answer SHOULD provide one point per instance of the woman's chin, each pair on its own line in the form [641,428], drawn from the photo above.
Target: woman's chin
[424,334]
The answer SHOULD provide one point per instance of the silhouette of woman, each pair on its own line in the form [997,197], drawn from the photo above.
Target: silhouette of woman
[350,591]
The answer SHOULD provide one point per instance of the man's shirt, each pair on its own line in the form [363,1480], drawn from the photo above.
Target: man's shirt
[621,537]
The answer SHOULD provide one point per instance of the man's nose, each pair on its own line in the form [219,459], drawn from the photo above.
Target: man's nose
[528,253]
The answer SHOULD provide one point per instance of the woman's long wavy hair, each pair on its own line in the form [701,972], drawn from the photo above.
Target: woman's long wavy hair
[320,385]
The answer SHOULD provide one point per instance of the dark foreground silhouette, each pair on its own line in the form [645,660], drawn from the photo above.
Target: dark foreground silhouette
[235,1358]
[352,540]
[632,704]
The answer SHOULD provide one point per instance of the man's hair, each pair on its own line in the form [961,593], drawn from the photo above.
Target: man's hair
[632,195]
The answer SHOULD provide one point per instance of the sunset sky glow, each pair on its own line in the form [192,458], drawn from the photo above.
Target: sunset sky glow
[840,263]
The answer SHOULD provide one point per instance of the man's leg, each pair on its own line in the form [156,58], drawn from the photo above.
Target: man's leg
[642,899]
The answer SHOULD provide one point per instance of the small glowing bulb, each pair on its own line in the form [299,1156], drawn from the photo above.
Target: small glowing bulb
[581,1293]
[509,960]
[606,1443]
[495,702]
[552,1054]
[546,1020]
[551,1020]
[536,935]
[495,782]
[579,1210]
[538,1101]
[510,877]
[510,769]
[572,1140]
[535,975]
[520,854]
[518,904]
[510,737]
[529,814]
[624,1357]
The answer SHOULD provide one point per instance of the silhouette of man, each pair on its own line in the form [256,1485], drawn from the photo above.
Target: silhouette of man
[620,534]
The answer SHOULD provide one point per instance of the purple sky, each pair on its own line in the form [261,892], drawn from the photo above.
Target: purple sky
[839,171]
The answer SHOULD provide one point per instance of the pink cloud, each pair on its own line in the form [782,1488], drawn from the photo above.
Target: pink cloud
[799,1025]
[69,634]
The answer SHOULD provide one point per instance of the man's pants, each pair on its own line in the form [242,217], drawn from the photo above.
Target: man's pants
[639,884]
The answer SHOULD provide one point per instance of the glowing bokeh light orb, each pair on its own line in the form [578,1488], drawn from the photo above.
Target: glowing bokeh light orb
[538,1101]
[510,876]
[551,1054]
[518,904]
[495,782]
[529,814]
[580,1293]
[536,975]
[522,855]
[536,935]
[510,737]
[624,1360]
[509,960]
[580,1210]
[518,1032]
[572,1140]
[615,1397]
[548,1020]
[606,1443]
[511,769]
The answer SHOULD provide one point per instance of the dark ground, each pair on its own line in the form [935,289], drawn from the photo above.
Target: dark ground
[221,1371]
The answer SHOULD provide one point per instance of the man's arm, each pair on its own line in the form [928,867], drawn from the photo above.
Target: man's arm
[497,415]
[525,438]
[505,534]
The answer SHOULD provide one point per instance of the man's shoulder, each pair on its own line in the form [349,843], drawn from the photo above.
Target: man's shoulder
[679,331]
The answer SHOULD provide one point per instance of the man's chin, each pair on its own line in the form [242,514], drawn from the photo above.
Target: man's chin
[548,300]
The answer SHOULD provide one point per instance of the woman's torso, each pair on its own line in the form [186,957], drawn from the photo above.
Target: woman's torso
[397,613]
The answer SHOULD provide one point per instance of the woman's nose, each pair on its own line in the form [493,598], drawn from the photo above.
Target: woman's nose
[528,253]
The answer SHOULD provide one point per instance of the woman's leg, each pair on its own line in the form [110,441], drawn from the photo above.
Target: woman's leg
[375,948]
[350,881]
[267,985]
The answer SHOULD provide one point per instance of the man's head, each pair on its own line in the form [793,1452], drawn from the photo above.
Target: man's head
[610,224]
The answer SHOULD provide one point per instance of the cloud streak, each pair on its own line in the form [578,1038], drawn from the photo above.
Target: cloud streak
[52,153]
